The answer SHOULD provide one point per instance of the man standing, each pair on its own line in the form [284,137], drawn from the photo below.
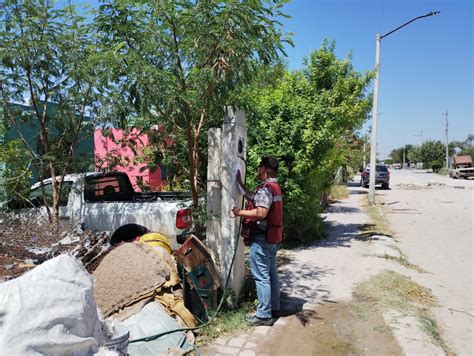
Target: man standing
[262,223]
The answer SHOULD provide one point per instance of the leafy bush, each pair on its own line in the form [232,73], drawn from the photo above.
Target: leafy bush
[15,173]
[436,165]
[307,119]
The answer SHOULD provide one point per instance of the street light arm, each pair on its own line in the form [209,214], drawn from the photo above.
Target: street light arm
[409,22]
[373,138]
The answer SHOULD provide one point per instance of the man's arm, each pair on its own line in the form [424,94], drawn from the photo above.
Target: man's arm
[259,213]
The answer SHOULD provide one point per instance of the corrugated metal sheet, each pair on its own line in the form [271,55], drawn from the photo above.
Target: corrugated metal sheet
[462,159]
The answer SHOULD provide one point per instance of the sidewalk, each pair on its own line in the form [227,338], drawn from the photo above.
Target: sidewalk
[316,293]
[324,271]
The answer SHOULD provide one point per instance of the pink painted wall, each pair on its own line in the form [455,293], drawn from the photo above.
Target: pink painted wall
[106,147]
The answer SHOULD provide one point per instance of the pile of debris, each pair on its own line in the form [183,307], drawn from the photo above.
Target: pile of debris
[112,294]
[28,239]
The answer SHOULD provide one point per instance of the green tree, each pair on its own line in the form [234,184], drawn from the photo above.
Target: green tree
[15,171]
[176,63]
[397,154]
[46,55]
[414,155]
[463,147]
[308,120]
[432,153]
[468,151]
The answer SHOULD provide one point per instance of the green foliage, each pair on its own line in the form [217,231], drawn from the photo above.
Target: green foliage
[396,154]
[464,148]
[433,152]
[436,165]
[468,151]
[14,172]
[307,120]
[414,155]
[46,54]
[176,64]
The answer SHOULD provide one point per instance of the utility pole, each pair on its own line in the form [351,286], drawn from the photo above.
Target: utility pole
[373,136]
[447,141]
[373,139]
[404,148]
[363,163]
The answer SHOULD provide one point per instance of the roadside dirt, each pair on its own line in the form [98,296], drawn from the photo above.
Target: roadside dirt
[321,284]
[333,329]
[432,217]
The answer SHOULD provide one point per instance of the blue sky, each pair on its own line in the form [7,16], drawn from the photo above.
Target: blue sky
[426,67]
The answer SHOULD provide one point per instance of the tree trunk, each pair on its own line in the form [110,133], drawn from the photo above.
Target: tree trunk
[193,155]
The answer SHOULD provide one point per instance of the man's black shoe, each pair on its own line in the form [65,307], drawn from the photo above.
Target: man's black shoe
[256,321]
[275,314]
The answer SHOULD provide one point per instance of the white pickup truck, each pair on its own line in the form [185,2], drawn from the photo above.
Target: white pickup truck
[107,202]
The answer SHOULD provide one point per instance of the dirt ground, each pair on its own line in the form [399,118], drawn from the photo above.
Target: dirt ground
[431,217]
[332,329]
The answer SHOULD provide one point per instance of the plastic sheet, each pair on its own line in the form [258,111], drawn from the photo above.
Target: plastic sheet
[50,310]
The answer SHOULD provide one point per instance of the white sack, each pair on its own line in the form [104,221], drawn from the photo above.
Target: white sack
[50,310]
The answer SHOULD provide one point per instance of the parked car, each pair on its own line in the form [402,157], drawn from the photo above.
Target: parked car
[108,202]
[461,167]
[382,176]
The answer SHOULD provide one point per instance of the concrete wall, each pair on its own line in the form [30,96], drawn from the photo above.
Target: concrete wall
[227,152]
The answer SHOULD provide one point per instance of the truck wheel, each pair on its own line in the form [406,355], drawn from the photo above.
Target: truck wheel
[127,233]
[385,186]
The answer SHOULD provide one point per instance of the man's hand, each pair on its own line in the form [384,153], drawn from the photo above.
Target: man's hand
[236,211]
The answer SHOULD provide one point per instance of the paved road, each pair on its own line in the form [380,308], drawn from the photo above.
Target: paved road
[433,220]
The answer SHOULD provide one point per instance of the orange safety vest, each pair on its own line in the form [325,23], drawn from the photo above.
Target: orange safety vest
[274,231]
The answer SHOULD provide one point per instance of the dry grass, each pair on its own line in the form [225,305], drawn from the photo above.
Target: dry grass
[391,290]
[401,259]
[338,192]
[380,225]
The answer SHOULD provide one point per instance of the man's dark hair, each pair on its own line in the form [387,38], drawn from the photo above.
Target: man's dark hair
[269,162]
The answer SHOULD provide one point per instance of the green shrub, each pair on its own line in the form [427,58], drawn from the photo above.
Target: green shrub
[436,165]
[15,173]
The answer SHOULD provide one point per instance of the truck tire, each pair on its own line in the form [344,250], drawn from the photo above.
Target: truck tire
[385,186]
[127,233]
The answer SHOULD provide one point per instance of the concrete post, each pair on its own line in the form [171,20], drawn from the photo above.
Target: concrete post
[227,152]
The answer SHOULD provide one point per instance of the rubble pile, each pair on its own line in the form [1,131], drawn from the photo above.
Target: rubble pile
[28,239]
[135,286]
